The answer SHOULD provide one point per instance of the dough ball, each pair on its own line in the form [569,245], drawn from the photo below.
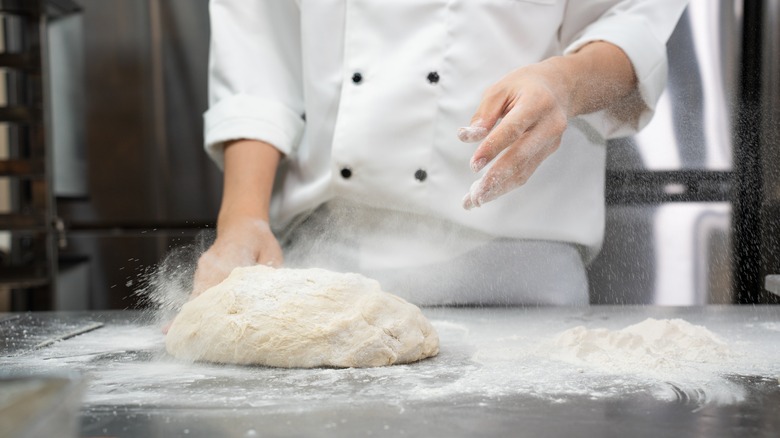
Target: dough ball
[300,318]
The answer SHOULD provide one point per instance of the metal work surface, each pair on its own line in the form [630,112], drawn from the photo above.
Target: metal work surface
[495,376]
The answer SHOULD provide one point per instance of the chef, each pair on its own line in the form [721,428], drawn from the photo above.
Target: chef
[452,149]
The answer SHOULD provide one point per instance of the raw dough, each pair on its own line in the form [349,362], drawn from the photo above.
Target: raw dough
[300,318]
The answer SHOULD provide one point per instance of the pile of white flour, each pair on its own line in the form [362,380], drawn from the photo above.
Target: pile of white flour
[651,346]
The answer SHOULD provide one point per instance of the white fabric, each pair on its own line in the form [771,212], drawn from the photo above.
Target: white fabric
[274,60]
[435,262]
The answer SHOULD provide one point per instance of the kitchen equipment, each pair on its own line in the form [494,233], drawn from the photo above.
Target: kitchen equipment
[772,284]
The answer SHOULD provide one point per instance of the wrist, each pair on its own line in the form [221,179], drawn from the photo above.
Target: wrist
[245,207]
[229,219]
[594,77]
[557,71]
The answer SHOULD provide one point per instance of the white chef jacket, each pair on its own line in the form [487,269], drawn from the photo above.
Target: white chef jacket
[364,98]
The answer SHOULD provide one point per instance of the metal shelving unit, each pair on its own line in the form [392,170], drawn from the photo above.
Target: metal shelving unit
[29,265]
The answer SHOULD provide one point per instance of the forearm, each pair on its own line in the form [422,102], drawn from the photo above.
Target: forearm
[596,77]
[250,169]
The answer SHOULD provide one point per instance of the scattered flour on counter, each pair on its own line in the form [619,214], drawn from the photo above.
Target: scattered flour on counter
[488,356]
[773,326]
[651,346]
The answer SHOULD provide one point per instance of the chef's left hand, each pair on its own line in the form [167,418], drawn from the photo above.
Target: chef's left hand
[532,106]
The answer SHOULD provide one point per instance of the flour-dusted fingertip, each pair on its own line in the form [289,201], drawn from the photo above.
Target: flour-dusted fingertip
[467,204]
[477,165]
[472,134]
[488,194]
[463,134]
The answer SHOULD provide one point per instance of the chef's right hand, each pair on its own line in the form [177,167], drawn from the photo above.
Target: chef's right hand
[241,241]
[243,235]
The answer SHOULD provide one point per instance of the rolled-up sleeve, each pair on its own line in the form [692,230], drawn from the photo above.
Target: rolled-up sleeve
[255,89]
[641,29]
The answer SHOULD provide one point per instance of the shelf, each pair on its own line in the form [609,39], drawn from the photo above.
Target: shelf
[22,222]
[54,8]
[22,168]
[20,61]
[19,114]
[21,279]
[20,7]
[31,220]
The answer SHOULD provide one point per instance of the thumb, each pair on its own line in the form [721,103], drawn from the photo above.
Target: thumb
[271,255]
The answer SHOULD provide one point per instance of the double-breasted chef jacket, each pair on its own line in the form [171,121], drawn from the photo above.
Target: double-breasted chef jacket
[364,98]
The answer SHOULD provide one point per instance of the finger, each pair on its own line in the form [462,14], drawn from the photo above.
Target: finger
[468,200]
[512,127]
[467,204]
[202,283]
[474,133]
[491,108]
[271,254]
[211,270]
[272,259]
[512,169]
[197,284]
[510,173]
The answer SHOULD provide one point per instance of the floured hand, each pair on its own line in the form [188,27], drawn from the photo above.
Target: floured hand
[240,242]
[532,107]
[523,116]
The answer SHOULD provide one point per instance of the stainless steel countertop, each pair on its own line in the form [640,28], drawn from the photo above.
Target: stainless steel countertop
[487,381]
